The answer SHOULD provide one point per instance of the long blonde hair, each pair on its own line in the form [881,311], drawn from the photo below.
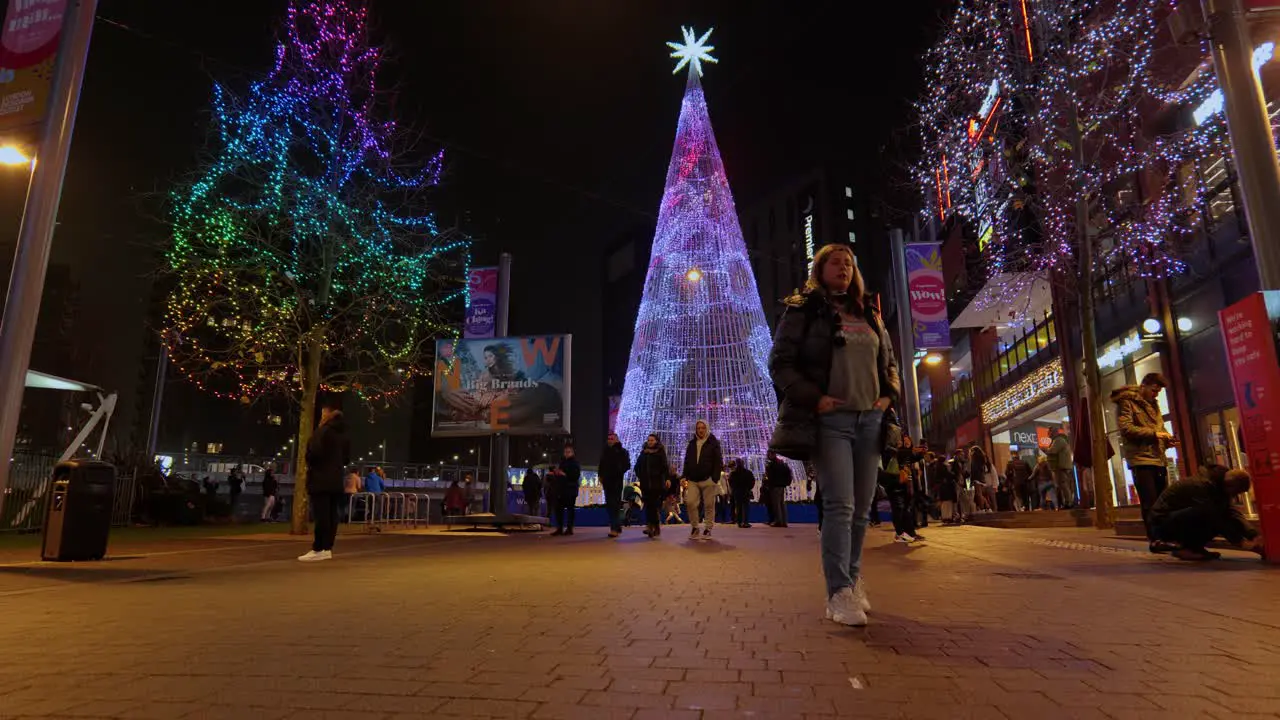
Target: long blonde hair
[857,286]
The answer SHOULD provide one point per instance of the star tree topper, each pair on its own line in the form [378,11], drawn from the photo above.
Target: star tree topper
[693,51]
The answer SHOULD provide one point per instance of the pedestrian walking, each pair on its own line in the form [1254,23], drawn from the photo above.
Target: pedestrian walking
[1059,454]
[328,453]
[1042,481]
[235,486]
[532,488]
[901,485]
[567,477]
[1144,440]
[703,467]
[742,484]
[1017,472]
[270,489]
[615,461]
[834,363]
[725,512]
[777,478]
[981,477]
[654,476]
[948,491]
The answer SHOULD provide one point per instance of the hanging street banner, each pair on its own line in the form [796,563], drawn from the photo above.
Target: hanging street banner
[927,292]
[1249,331]
[510,385]
[615,404]
[482,303]
[29,44]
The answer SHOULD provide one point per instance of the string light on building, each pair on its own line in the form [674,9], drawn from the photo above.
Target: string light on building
[701,341]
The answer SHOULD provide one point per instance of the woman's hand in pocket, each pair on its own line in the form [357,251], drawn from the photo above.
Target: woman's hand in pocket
[828,404]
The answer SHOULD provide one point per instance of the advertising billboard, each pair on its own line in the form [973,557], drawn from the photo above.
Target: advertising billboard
[29,42]
[510,385]
[482,303]
[927,292]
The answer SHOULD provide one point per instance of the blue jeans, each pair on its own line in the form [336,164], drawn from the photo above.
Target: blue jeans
[848,459]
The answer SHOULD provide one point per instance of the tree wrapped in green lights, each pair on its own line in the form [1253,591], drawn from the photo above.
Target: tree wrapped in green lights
[303,257]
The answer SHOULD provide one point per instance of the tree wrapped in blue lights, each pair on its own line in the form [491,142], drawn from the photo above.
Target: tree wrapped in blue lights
[701,341]
[303,256]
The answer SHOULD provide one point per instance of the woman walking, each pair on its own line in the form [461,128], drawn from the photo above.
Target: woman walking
[834,364]
[655,482]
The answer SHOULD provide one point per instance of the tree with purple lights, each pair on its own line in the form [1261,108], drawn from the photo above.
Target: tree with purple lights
[303,256]
[701,343]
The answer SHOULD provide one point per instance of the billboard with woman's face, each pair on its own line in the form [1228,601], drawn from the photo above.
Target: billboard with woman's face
[510,385]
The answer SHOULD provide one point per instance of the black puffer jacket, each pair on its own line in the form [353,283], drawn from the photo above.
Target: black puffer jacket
[708,466]
[800,362]
[328,454]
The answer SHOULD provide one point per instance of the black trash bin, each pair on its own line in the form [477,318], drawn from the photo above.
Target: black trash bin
[78,516]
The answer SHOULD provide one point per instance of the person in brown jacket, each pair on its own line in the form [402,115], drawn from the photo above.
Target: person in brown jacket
[1144,441]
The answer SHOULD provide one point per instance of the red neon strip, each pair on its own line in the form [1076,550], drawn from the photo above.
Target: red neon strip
[1026,27]
[937,184]
[987,122]
[946,174]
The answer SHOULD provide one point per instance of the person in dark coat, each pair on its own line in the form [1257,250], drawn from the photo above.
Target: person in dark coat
[742,483]
[703,466]
[945,481]
[1190,513]
[566,477]
[777,478]
[532,487]
[1017,473]
[328,454]
[613,467]
[270,488]
[655,483]
[235,486]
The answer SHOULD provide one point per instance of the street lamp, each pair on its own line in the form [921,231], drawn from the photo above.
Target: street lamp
[13,155]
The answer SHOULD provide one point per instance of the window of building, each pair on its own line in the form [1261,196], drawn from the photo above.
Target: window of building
[848,191]
[849,213]
[213,448]
[853,237]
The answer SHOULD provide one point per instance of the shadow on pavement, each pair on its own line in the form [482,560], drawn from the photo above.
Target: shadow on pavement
[82,573]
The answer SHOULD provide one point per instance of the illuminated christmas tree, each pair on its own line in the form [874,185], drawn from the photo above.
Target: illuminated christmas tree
[303,257]
[701,343]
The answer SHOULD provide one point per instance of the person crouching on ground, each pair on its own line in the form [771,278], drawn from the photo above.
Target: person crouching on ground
[833,362]
[703,466]
[1191,513]
[328,453]
[652,472]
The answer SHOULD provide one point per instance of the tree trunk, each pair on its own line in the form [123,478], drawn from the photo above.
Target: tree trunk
[1103,502]
[306,421]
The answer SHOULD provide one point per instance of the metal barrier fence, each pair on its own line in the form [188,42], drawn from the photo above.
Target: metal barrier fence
[389,509]
[27,494]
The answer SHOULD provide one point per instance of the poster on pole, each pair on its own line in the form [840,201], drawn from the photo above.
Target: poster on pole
[511,385]
[927,293]
[29,43]
[482,303]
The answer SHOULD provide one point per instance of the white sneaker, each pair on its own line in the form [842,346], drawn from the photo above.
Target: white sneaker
[843,608]
[314,556]
[902,538]
[860,594]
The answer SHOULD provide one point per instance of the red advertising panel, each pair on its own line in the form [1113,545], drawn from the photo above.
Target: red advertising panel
[1249,331]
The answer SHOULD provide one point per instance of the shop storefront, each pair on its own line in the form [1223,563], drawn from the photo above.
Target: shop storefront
[1024,419]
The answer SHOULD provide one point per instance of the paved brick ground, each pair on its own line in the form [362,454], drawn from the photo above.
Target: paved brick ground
[975,623]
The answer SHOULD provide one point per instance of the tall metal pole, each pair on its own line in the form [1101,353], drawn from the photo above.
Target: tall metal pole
[1252,144]
[157,399]
[26,283]
[907,363]
[498,456]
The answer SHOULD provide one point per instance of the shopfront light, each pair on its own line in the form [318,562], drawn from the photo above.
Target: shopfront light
[1151,326]
[1185,324]
[932,359]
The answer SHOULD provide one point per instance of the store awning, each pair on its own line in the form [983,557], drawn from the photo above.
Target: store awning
[1008,299]
[45,381]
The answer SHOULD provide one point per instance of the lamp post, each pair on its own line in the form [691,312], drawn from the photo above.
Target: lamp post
[35,239]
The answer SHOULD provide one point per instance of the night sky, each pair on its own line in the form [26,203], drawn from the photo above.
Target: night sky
[557,117]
